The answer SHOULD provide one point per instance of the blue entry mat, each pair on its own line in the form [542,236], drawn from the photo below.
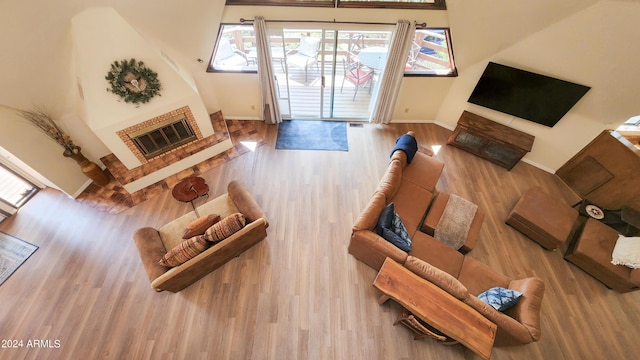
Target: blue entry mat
[312,135]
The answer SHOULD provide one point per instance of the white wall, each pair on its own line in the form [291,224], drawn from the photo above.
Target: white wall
[592,46]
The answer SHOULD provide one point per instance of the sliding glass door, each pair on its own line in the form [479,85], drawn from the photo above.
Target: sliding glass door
[319,73]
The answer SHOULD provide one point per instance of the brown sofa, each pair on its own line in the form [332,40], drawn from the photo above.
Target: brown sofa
[411,188]
[516,326]
[153,243]
[592,251]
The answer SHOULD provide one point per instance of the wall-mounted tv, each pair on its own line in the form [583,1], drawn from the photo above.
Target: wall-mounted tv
[535,97]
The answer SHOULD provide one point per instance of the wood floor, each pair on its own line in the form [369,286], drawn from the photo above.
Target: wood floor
[298,294]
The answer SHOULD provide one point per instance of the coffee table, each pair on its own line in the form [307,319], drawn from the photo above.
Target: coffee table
[436,307]
[189,189]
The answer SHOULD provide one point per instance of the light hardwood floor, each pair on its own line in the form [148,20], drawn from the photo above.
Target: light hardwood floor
[298,294]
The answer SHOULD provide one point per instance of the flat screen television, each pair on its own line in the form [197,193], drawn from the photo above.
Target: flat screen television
[538,98]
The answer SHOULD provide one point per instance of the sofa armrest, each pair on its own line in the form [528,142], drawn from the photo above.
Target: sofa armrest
[368,218]
[527,310]
[510,331]
[245,202]
[372,249]
[151,250]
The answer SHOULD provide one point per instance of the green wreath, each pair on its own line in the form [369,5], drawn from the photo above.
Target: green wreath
[132,81]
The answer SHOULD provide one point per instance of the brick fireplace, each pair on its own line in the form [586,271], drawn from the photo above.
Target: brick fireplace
[167,132]
[152,140]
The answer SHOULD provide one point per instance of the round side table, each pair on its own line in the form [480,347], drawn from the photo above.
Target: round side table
[189,189]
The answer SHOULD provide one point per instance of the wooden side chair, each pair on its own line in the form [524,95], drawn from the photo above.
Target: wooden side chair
[421,329]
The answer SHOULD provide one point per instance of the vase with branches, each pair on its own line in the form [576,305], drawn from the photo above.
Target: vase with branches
[43,121]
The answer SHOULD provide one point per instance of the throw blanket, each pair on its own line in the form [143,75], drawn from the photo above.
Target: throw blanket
[453,227]
[408,144]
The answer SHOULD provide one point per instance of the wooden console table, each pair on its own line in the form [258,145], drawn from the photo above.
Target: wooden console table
[489,140]
[436,307]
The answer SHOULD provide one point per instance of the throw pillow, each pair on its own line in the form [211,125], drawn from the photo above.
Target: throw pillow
[408,144]
[627,252]
[184,251]
[200,225]
[500,298]
[391,228]
[225,228]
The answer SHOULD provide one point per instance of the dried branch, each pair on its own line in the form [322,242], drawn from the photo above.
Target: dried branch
[43,121]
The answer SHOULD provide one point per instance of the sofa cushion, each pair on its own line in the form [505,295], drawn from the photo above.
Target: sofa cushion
[184,251]
[171,232]
[225,228]
[627,252]
[411,203]
[200,225]
[423,171]
[391,228]
[478,276]
[434,252]
[500,298]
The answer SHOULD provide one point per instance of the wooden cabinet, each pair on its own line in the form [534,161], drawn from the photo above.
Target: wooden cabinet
[489,140]
[606,172]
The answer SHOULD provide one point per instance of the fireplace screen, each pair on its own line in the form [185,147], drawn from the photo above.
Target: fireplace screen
[163,136]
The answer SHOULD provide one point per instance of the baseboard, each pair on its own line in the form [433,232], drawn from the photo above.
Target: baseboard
[541,167]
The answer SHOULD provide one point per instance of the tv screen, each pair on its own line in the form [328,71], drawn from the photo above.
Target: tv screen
[538,98]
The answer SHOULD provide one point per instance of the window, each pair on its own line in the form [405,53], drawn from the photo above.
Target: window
[390,4]
[235,50]
[394,4]
[315,3]
[431,54]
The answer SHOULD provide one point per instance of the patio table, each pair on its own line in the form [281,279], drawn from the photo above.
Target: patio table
[373,57]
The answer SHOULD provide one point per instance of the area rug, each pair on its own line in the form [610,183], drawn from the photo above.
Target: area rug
[13,253]
[312,135]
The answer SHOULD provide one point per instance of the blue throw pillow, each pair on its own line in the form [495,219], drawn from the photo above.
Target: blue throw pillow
[391,228]
[500,298]
[408,144]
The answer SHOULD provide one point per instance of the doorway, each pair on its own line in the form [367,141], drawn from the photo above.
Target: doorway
[328,73]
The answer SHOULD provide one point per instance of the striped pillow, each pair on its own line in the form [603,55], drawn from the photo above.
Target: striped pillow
[225,228]
[184,251]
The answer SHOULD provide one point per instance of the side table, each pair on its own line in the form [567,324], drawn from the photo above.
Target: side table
[189,189]
[436,307]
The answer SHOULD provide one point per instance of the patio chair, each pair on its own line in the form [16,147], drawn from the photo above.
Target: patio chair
[305,54]
[413,56]
[357,74]
[356,43]
[228,57]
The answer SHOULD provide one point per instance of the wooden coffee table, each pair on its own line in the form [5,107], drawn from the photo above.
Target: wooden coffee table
[436,307]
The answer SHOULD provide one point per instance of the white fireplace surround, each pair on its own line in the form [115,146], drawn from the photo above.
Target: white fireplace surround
[101,36]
